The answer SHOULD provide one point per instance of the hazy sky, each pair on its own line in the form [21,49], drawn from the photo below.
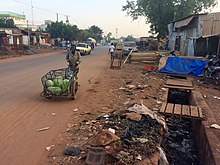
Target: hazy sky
[106,14]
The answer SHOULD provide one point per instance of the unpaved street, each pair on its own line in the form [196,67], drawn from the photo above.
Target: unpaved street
[23,111]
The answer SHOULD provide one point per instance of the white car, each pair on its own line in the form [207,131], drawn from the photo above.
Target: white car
[83,48]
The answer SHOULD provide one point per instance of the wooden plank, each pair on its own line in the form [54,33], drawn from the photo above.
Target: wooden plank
[169,108]
[177,109]
[163,108]
[200,112]
[194,111]
[179,83]
[178,87]
[185,110]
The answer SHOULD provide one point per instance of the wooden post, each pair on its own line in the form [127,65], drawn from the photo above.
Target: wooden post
[218,49]
[128,56]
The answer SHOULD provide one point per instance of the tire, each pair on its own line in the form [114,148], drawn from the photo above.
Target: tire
[206,73]
[217,80]
[89,52]
[74,89]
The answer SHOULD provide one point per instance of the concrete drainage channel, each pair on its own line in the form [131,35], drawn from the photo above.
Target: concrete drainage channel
[188,141]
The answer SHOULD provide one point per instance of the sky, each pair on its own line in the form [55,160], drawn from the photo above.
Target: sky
[106,14]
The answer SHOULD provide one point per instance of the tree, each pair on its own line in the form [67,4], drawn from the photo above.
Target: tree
[159,13]
[109,37]
[129,38]
[7,23]
[96,32]
[62,30]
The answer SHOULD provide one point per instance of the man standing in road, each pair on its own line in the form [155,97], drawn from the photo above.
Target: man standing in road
[74,59]
[111,50]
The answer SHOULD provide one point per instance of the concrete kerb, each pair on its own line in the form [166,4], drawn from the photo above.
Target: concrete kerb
[208,143]
[10,59]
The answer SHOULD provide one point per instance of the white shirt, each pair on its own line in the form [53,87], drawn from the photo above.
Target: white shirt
[111,48]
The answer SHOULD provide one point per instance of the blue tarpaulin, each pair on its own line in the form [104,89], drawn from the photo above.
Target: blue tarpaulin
[178,65]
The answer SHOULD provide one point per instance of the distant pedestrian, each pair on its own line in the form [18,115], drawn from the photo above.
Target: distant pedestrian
[111,50]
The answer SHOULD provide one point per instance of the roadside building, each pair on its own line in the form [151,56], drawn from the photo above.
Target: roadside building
[12,36]
[195,35]
[19,19]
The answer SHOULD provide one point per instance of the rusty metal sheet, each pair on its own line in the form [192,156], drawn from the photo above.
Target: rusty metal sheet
[210,24]
[183,22]
[213,16]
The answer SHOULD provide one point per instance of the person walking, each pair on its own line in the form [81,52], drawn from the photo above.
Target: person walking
[73,57]
[111,50]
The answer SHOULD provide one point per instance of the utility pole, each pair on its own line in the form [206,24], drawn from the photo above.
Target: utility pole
[67,19]
[28,34]
[57,17]
[32,13]
[116,33]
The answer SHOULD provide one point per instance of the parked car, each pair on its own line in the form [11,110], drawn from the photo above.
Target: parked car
[128,46]
[83,48]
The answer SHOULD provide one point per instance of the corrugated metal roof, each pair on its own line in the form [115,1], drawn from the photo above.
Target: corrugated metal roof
[210,24]
[183,22]
[11,14]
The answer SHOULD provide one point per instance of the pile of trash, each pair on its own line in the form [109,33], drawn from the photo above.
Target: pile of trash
[126,138]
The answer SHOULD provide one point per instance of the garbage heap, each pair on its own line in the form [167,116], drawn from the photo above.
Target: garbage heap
[132,137]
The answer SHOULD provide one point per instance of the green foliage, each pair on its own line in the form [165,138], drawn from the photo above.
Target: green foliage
[95,32]
[7,23]
[71,32]
[160,12]
[128,38]
[62,30]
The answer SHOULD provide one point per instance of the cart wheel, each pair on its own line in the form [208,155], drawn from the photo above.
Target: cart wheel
[46,94]
[74,89]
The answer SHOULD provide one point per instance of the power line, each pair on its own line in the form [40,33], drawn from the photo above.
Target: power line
[24,2]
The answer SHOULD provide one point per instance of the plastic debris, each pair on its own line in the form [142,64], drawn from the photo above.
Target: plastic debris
[75,110]
[142,109]
[43,129]
[126,103]
[73,151]
[159,102]
[131,86]
[216,97]
[111,130]
[142,140]
[163,158]
[139,157]
[216,126]
[106,116]
[49,147]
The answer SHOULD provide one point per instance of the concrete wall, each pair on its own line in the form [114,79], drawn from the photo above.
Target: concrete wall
[207,142]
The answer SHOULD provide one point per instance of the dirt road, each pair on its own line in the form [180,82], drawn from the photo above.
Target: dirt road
[23,111]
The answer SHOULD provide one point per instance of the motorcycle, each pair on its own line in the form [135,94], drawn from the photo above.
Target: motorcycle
[212,69]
